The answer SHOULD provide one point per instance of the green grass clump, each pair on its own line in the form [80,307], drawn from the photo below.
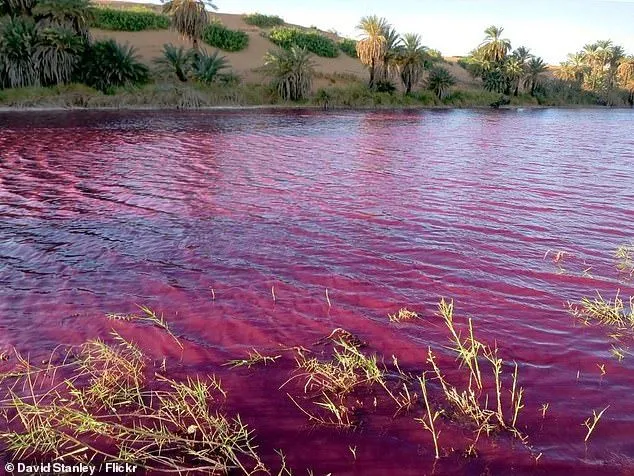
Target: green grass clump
[614,313]
[313,41]
[223,38]
[469,98]
[128,20]
[105,401]
[263,21]
[163,95]
[349,47]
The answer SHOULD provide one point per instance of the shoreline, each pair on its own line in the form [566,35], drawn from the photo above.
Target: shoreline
[312,107]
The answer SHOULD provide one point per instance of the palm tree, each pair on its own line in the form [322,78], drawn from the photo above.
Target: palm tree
[625,75]
[393,45]
[292,71]
[605,48]
[17,7]
[412,61]
[57,54]
[72,14]
[523,54]
[175,60]
[207,68]
[372,45]
[536,67]
[626,78]
[494,47]
[477,65]
[18,37]
[514,70]
[591,54]
[113,65]
[579,67]
[189,18]
[615,54]
[440,81]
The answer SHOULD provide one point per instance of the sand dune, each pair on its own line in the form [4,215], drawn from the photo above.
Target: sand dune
[149,45]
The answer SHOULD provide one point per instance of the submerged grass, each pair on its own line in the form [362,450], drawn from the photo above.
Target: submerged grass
[334,385]
[148,316]
[254,358]
[614,313]
[102,401]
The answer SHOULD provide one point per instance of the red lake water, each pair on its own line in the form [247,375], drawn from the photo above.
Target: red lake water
[101,212]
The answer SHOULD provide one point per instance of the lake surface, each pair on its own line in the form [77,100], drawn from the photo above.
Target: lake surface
[101,212]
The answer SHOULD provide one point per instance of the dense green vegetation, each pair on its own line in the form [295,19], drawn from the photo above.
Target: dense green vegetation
[46,43]
[221,37]
[313,41]
[600,74]
[292,72]
[128,20]
[602,68]
[349,47]
[263,21]
[387,55]
[111,65]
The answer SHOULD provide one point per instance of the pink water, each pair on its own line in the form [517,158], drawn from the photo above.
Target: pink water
[100,212]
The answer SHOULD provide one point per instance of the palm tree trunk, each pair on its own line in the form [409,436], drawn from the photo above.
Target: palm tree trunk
[372,72]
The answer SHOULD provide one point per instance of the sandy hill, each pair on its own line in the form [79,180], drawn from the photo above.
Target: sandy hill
[331,71]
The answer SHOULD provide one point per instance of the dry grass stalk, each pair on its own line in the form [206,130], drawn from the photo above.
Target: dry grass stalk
[148,316]
[431,417]
[625,259]
[468,351]
[254,358]
[472,402]
[591,423]
[403,314]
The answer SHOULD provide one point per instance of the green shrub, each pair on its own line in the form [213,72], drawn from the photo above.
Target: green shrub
[207,68]
[128,20]
[108,65]
[223,38]
[440,81]
[263,21]
[349,47]
[313,41]
[384,86]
